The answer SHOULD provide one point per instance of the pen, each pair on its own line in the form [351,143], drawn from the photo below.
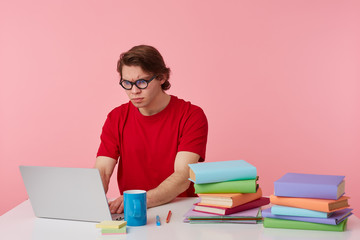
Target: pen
[158,223]
[168,217]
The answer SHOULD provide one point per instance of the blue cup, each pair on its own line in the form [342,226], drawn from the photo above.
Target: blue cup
[135,207]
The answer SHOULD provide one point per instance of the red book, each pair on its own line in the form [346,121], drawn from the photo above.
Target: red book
[226,211]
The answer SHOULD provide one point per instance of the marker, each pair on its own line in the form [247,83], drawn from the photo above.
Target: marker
[168,217]
[158,223]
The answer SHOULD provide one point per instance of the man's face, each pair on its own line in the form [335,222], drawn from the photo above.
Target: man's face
[141,98]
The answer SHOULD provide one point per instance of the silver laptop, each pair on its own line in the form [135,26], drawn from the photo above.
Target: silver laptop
[67,193]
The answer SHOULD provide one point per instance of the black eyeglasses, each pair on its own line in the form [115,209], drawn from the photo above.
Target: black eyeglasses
[140,83]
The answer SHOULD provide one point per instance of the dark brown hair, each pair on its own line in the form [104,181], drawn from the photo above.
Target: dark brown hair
[149,59]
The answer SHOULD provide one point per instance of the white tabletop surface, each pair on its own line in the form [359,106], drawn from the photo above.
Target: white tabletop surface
[20,223]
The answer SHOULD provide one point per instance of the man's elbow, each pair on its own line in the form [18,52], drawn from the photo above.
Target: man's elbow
[184,186]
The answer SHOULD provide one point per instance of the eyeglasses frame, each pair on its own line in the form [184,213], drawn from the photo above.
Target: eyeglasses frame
[135,83]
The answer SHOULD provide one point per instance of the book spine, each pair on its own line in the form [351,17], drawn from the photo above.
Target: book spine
[305,190]
[241,186]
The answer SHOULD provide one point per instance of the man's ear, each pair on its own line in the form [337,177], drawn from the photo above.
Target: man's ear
[161,78]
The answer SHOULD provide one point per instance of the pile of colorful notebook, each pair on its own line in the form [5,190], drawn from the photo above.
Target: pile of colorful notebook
[112,227]
[228,192]
[308,201]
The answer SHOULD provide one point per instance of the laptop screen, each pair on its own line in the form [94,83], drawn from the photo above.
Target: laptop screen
[66,193]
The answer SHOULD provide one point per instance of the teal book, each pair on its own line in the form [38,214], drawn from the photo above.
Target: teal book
[210,172]
[300,212]
[237,186]
[291,224]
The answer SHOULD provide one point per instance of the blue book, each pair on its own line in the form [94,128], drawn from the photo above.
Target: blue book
[300,212]
[302,185]
[336,218]
[210,172]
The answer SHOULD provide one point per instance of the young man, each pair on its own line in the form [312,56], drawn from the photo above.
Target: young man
[154,136]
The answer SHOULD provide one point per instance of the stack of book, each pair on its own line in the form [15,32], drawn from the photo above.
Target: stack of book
[112,227]
[225,189]
[308,201]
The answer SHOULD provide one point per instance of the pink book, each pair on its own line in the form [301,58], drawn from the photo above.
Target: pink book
[226,211]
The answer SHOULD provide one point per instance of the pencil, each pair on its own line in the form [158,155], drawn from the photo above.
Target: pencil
[168,217]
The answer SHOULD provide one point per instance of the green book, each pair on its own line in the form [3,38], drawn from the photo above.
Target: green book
[291,224]
[238,186]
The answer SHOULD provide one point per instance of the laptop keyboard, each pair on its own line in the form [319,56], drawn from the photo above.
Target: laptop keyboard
[117,216]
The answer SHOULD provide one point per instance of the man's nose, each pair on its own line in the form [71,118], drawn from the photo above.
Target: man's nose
[135,89]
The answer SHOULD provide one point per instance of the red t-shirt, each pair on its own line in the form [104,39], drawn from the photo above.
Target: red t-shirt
[146,146]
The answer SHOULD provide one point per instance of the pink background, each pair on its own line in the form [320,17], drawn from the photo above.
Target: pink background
[278,80]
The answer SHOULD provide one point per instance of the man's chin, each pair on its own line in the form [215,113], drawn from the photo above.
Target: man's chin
[137,104]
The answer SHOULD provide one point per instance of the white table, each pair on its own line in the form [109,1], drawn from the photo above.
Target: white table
[20,223]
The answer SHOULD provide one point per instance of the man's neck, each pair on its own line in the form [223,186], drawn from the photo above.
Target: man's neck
[157,105]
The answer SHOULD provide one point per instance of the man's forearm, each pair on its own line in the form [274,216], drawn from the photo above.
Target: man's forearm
[105,180]
[169,189]
[176,183]
[106,167]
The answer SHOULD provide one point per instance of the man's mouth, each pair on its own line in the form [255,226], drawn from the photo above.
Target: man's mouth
[137,100]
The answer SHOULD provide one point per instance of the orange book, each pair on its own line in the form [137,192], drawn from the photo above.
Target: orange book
[322,205]
[228,200]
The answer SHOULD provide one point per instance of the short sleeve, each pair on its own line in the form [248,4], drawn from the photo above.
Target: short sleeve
[109,146]
[194,133]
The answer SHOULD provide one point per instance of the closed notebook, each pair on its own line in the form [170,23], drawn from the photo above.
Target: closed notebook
[310,186]
[290,224]
[226,211]
[251,214]
[334,219]
[209,172]
[228,200]
[300,212]
[237,186]
[323,205]
[239,221]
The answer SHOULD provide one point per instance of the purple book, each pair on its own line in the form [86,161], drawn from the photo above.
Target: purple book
[336,218]
[310,186]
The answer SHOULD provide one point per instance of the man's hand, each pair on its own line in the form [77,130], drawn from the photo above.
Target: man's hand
[117,206]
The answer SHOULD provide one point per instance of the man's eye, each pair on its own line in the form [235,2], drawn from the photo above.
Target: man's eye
[141,81]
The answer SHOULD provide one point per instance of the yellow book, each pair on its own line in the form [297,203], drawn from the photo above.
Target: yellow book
[111,224]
